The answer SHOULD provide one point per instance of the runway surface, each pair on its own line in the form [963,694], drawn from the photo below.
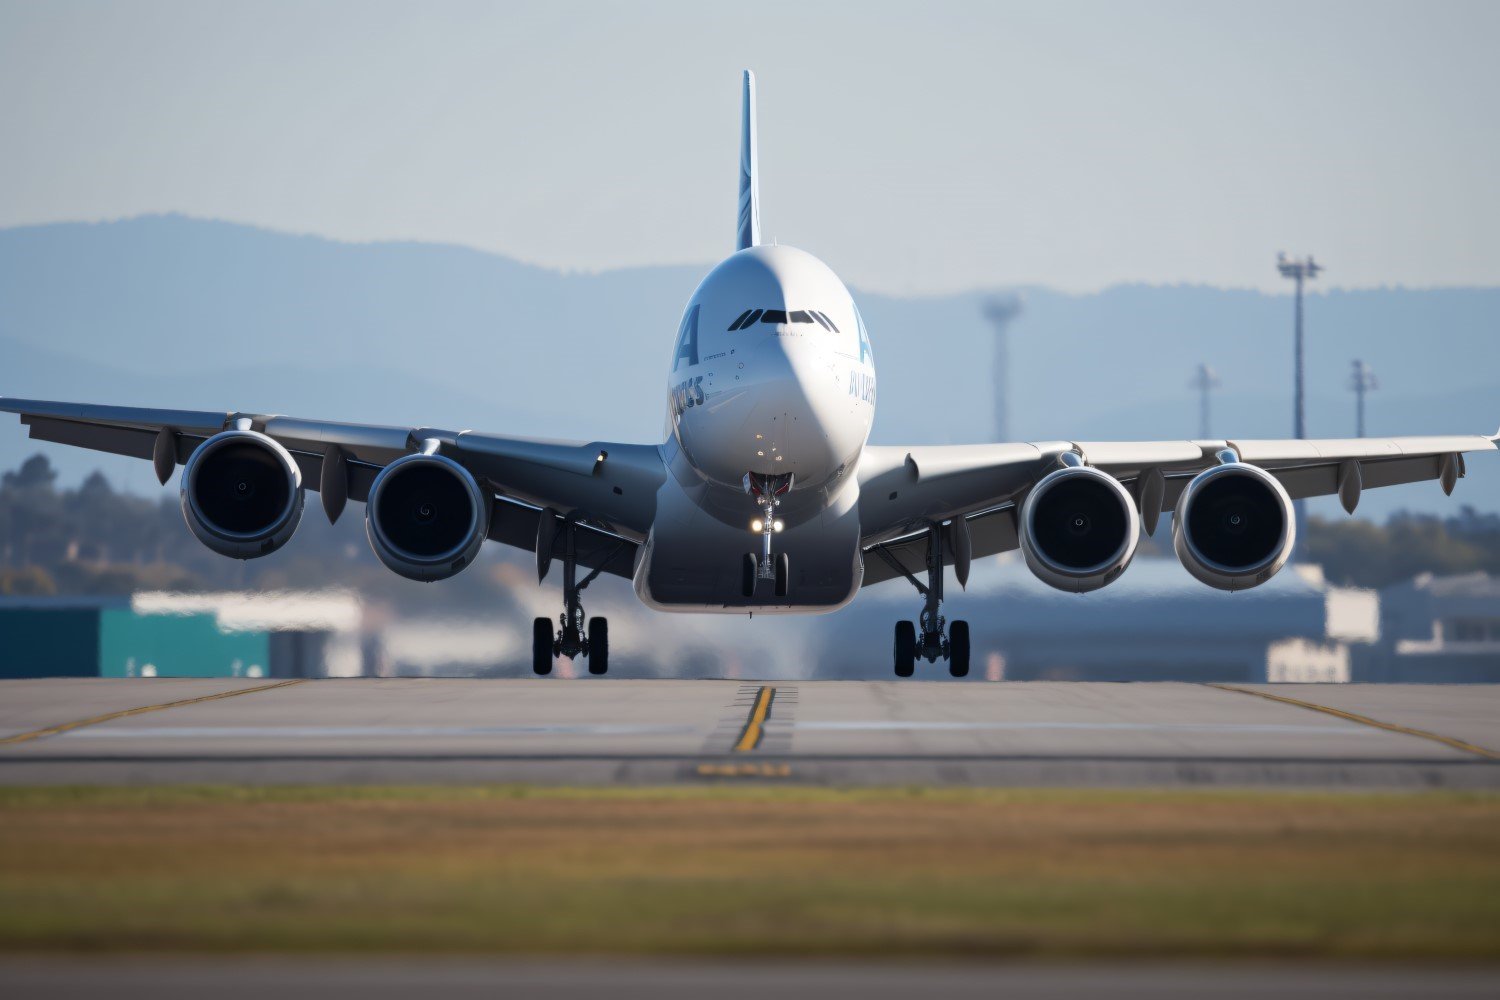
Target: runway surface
[375,979]
[601,731]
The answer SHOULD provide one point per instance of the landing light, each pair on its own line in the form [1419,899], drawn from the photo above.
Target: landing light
[756,524]
[778,524]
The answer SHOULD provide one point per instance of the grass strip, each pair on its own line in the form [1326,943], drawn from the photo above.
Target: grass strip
[738,871]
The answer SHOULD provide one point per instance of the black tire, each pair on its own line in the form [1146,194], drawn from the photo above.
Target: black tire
[541,646]
[783,574]
[906,649]
[747,577]
[598,645]
[958,649]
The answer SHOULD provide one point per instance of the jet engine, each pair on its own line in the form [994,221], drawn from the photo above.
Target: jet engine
[1078,529]
[1234,528]
[426,517]
[242,494]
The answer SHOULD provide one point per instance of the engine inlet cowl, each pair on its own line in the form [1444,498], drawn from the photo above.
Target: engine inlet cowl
[242,494]
[1078,529]
[1233,527]
[426,517]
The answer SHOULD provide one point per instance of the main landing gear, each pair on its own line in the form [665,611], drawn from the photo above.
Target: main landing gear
[767,491]
[925,639]
[572,639]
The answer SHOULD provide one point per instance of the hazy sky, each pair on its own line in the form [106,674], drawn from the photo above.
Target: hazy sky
[914,146]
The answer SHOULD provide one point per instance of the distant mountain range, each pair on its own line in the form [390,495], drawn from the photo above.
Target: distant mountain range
[183,312]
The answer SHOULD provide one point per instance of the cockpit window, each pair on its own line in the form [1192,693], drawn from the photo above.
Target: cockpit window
[746,318]
[751,316]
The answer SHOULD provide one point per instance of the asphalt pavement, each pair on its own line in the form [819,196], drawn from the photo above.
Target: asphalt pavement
[372,978]
[591,731]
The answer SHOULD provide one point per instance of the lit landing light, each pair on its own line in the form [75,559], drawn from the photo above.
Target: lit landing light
[777,524]
[757,524]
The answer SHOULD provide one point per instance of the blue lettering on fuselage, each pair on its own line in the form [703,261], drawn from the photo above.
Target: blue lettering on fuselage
[864,338]
[687,394]
[687,340]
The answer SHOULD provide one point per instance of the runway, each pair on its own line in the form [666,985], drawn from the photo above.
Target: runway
[379,978]
[652,732]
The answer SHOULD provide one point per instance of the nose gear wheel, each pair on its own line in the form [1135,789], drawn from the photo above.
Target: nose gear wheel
[766,565]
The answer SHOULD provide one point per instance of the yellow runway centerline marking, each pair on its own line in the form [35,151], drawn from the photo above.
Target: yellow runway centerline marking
[744,770]
[37,734]
[1367,721]
[754,726]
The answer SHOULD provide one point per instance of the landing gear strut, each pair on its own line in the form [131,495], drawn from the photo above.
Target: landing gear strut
[573,639]
[767,491]
[925,639]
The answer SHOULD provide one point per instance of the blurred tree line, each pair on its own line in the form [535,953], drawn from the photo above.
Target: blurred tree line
[94,540]
[1364,554]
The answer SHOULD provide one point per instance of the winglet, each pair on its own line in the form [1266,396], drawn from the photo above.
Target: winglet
[749,218]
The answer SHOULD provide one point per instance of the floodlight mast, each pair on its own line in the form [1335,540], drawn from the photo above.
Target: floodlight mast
[1361,381]
[1001,311]
[1205,380]
[1300,269]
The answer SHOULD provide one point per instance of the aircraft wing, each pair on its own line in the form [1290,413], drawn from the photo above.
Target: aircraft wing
[980,487]
[609,488]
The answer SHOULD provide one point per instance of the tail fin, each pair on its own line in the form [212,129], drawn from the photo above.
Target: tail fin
[749,228]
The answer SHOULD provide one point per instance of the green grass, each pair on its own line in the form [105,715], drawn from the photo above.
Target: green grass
[755,870]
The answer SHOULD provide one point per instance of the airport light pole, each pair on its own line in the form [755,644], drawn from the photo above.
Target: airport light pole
[1002,311]
[1361,381]
[1205,380]
[1299,270]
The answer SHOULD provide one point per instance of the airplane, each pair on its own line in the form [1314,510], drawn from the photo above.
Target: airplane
[765,495]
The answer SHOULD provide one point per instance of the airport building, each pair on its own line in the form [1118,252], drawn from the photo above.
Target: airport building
[1155,623]
[182,635]
[1436,630]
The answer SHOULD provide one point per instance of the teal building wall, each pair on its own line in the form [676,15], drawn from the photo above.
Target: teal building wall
[49,642]
[81,640]
[132,645]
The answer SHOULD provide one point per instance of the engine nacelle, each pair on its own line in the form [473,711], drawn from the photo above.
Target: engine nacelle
[242,494]
[1079,529]
[426,517]
[1234,528]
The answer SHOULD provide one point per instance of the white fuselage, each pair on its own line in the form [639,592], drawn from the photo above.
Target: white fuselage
[783,393]
[771,373]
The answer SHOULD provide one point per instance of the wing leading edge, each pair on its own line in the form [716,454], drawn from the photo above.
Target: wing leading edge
[976,489]
[609,489]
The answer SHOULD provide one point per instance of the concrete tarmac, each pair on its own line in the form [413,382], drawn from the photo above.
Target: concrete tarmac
[604,731]
[373,978]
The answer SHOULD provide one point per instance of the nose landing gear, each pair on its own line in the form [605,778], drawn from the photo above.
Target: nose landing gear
[930,644]
[767,491]
[573,639]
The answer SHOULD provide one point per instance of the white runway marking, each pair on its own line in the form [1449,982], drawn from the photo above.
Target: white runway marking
[382,732]
[1131,727]
[609,729]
